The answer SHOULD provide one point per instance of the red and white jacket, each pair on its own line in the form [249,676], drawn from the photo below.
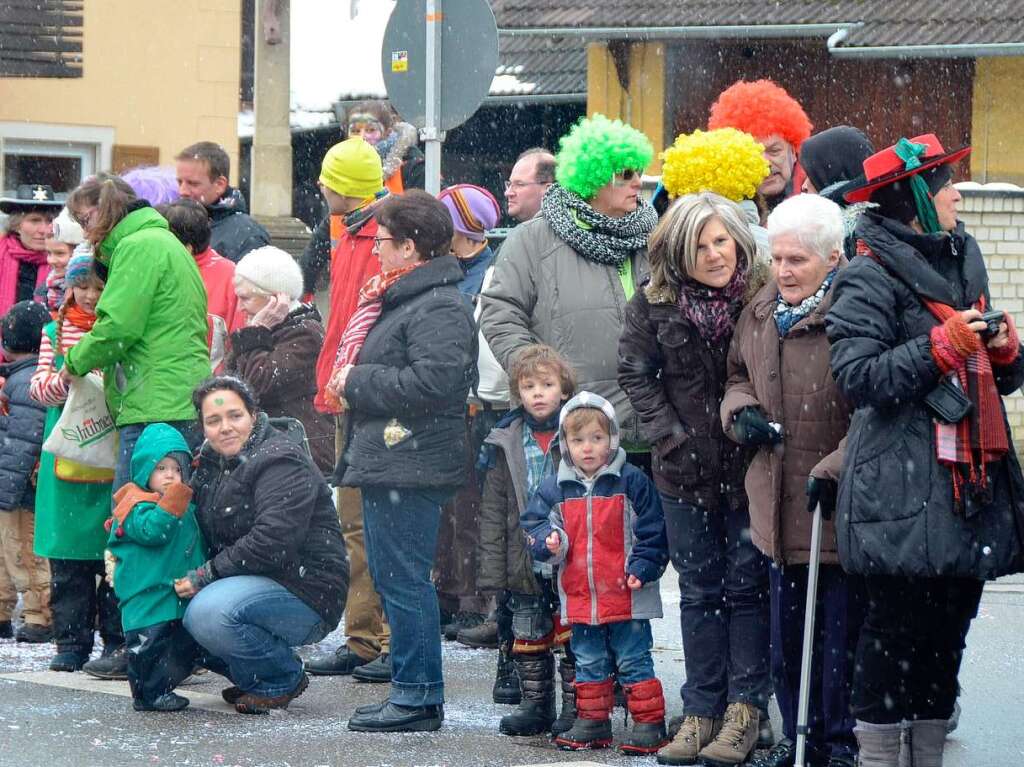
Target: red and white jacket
[610,527]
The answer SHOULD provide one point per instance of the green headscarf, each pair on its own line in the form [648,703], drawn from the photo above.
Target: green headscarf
[911,154]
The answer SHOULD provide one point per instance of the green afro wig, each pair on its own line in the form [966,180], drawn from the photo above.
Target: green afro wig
[595,150]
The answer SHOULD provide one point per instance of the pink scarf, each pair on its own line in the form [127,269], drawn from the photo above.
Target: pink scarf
[12,255]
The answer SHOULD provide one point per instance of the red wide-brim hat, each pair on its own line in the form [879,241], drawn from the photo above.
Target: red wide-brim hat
[885,167]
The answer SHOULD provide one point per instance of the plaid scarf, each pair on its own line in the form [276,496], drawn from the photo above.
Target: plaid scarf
[371,304]
[980,438]
[595,236]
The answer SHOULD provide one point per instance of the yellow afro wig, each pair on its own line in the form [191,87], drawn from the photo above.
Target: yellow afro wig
[595,150]
[761,108]
[724,161]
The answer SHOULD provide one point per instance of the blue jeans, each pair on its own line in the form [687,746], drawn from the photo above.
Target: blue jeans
[838,618]
[723,606]
[129,435]
[250,624]
[623,647]
[400,530]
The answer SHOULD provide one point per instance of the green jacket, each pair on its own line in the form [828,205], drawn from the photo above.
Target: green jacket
[154,539]
[69,515]
[150,333]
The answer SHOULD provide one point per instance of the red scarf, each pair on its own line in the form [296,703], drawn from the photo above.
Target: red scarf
[980,438]
[371,304]
[79,317]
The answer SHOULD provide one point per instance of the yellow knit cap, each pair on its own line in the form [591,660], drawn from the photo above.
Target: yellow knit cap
[352,168]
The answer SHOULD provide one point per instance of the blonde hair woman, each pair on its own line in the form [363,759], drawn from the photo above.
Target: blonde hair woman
[672,366]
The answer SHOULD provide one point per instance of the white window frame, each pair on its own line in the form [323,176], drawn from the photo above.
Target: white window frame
[93,144]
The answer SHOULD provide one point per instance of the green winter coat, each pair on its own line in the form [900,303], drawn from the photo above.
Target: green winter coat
[153,546]
[150,333]
[69,515]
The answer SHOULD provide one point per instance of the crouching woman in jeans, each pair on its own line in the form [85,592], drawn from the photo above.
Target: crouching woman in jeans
[278,573]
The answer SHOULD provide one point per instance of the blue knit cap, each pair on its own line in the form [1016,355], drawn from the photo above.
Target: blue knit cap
[80,266]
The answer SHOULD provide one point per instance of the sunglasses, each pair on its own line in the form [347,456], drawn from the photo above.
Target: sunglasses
[626,176]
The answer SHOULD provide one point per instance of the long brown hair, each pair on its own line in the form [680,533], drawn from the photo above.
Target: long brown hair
[110,194]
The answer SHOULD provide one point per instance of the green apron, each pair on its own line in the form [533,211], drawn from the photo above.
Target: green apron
[69,515]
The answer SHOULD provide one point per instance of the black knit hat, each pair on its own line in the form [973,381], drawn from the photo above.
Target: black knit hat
[22,327]
[835,156]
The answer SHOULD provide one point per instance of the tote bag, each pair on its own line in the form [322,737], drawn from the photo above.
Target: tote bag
[84,434]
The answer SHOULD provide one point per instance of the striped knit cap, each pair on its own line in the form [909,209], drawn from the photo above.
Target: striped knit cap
[473,209]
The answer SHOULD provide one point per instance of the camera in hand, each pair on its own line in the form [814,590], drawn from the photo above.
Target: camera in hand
[993,319]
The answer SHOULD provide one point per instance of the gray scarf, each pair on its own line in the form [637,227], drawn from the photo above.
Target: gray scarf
[595,236]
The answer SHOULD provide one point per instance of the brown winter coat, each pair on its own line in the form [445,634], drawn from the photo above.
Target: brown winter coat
[791,381]
[504,561]
[280,365]
[675,382]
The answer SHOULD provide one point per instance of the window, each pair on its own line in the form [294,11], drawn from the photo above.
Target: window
[59,156]
[36,162]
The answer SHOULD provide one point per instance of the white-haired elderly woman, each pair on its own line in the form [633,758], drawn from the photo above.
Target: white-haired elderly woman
[672,366]
[277,350]
[783,400]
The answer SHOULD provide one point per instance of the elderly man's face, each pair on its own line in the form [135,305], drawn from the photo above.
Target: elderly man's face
[798,270]
[781,159]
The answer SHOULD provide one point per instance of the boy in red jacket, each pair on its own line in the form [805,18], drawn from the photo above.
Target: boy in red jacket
[600,520]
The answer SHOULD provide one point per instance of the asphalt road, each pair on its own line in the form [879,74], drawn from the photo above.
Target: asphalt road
[49,726]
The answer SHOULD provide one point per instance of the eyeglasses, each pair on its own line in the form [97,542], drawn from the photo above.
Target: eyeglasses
[378,240]
[626,176]
[517,185]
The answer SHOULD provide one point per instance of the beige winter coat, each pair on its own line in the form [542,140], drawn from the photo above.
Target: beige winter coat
[790,379]
[545,292]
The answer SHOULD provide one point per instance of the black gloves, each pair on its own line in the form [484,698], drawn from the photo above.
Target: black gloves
[751,427]
[822,491]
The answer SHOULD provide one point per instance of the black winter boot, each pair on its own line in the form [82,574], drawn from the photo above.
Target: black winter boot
[567,716]
[536,710]
[646,704]
[592,728]
[506,679]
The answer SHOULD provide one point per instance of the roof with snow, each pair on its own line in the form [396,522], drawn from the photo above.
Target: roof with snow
[874,23]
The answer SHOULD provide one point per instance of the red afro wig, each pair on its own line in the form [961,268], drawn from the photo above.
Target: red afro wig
[761,108]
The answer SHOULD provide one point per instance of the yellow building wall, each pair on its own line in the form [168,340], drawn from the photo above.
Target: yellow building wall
[643,105]
[162,74]
[997,120]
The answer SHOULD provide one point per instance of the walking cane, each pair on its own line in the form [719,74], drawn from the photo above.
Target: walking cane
[808,649]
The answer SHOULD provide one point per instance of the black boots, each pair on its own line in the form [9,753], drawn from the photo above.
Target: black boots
[567,716]
[536,710]
[506,679]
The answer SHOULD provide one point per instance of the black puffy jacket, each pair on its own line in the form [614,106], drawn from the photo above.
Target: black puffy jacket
[268,511]
[896,512]
[407,394]
[235,232]
[21,434]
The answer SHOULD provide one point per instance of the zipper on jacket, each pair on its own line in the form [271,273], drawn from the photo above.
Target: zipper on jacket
[590,558]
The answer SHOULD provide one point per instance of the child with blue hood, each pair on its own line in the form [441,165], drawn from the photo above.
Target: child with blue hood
[154,540]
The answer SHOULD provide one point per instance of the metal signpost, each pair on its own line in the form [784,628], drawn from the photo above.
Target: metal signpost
[438,65]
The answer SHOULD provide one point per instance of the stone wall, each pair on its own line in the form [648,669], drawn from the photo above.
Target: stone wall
[994,214]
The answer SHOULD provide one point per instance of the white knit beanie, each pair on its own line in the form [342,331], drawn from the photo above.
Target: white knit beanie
[272,270]
[66,229]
